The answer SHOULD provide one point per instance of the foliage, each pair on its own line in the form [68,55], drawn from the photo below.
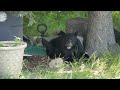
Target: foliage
[18,41]
[55,21]
[116,19]
[1,45]
[28,14]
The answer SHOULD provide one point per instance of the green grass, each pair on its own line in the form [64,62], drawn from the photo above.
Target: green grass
[106,67]
[44,72]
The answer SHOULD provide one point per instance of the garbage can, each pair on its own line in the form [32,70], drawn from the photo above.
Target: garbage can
[13,26]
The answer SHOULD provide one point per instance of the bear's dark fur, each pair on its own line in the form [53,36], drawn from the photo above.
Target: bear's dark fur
[66,45]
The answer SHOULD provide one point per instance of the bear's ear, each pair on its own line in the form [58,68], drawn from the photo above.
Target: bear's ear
[75,33]
[61,33]
[45,42]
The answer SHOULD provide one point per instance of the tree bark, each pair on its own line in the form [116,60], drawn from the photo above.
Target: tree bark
[100,32]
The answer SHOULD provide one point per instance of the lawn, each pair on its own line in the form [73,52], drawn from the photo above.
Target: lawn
[105,67]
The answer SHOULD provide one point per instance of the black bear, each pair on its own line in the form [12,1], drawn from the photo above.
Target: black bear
[51,51]
[66,45]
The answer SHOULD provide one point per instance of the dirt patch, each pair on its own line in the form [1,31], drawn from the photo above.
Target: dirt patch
[44,62]
[34,61]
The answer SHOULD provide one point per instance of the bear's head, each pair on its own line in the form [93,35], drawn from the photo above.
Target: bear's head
[69,39]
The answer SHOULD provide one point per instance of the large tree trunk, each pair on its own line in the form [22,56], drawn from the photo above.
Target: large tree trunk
[100,32]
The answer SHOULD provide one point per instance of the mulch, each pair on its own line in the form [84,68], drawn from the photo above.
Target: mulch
[34,61]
